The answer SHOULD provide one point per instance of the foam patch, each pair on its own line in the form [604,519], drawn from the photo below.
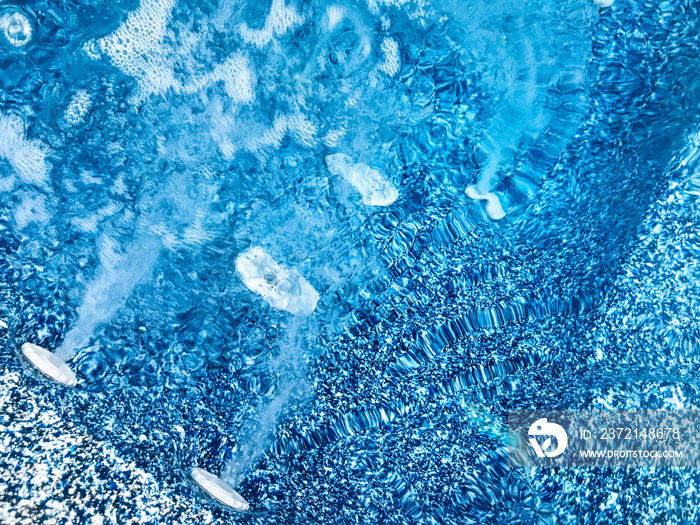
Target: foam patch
[375,189]
[280,20]
[78,108]
[237,76]
[297,126]
[392,60]
[33,208]
[335,15]
[135,48]
[27,157]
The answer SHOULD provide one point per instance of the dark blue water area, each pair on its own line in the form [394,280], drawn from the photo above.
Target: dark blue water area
[434,320]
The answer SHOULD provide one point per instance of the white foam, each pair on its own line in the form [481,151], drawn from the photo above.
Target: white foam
[87,224]
[27,157]
[333,137]
[493,204]
[141,32]
[603,3]
[300,128]
[7,183]
[109,252]
[219,490]
[237,75]
[17,28]
[415,9]
[283,289]
[49,364]
[78,108]
[90,223]
[92,50]
[335,15]
[135,47]
[195,234]
[3,324]
[32,209]
[281,19]
[272,137]
[392,60]
[375,189]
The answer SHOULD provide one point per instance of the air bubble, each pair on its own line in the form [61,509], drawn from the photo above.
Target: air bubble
[17,28]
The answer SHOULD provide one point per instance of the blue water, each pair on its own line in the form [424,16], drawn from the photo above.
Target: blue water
[145,145]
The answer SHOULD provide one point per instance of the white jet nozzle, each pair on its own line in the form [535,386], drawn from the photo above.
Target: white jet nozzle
[219,490]
[49,364]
